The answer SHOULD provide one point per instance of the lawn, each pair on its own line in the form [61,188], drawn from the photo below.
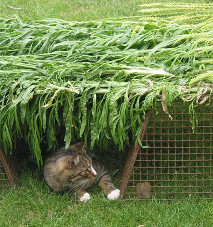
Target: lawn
[32,204]
[74,10]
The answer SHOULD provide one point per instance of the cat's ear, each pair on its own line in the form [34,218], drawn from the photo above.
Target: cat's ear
[69,162]
[79,147]
[66,162]
[76,160]
[83,150]
[73,160]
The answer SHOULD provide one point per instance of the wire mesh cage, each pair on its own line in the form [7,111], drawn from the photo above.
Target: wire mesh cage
[7,178]
[176,162]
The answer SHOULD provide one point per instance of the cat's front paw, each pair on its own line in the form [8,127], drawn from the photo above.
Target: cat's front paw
[113,195]
[85,197]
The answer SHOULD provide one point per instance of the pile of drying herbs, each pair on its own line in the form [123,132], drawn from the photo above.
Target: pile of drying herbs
[94,81]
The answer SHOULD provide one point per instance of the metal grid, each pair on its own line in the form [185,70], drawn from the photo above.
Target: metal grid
[176,162]
[6,177]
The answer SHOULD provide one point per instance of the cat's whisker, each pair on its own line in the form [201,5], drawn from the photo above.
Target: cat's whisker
[77,185]
[73,188]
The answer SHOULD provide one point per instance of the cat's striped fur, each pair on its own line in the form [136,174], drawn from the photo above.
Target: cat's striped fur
[74,170]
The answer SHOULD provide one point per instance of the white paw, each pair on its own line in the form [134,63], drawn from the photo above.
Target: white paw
[85,197]
[114,194]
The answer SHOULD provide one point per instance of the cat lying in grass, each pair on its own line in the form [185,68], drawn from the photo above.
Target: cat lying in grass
[75,170]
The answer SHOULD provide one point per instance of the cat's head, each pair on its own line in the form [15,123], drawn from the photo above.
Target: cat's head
[77,162]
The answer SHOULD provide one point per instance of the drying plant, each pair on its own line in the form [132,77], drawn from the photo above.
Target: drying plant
[95,80]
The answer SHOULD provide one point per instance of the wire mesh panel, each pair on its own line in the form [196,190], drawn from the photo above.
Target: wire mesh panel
[175,162]
[6,176]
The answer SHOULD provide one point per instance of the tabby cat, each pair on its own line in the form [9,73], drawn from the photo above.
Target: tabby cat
[74,169]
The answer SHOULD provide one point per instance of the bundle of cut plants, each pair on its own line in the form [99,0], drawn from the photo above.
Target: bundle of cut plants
[94,81]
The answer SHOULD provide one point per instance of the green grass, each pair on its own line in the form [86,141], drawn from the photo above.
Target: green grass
[74,10]
[70,10]
[32,204]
